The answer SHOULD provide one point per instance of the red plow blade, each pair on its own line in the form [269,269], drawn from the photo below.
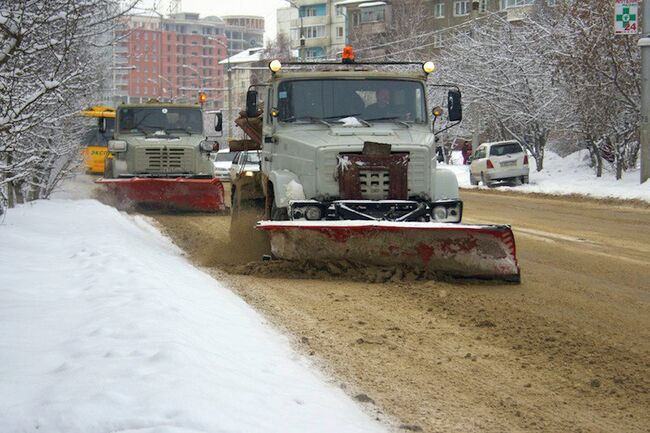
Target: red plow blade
[204,195]
[478,251]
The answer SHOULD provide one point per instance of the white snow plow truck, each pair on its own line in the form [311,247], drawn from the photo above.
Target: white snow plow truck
[348,171]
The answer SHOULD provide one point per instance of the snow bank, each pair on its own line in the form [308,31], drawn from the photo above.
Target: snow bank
[105,327]
[570,175]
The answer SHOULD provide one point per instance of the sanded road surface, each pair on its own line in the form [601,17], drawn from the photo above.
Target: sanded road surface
[568,350]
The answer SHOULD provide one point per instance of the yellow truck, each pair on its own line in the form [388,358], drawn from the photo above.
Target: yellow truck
[95,146]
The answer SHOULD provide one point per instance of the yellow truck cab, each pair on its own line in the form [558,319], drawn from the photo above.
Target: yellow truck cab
[95,142]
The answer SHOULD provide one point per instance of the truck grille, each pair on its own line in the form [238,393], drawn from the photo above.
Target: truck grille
[375,184]
[164,160]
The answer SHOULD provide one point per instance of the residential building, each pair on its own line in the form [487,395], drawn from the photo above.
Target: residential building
[175,58]
[448,14]
[243,32]
[368,22]
[320,24]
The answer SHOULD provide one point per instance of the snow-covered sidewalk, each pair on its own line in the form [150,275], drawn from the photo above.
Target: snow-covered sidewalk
[570,175]
[105,327]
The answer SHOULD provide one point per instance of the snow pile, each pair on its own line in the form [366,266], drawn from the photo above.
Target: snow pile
[570,175]
[351,122]
[105,327]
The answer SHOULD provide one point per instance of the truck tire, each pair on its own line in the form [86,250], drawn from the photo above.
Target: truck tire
[279,213]
[524,179]
[472,180]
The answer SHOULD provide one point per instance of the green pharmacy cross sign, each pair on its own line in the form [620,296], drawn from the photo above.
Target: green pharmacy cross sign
[626,14]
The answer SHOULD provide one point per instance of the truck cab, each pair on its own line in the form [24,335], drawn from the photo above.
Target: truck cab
[351,143]
[159,140]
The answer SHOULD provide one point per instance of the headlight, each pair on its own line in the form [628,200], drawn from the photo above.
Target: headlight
[115,146]
[440,213]
[206,146]
[249,173]
[313,213]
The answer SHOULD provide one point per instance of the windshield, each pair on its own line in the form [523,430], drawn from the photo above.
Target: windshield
[152,120]
[505,149]
[93,136]
[251,158]
[330,100]
[224,156]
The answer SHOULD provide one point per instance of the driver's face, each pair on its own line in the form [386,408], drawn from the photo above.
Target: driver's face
[383,97]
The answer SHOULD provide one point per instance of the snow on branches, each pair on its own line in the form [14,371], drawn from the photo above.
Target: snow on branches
[558,74]
[50,67]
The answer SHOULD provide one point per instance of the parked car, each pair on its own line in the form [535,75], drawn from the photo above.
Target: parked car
[499,161]
[245,163]
[222,160]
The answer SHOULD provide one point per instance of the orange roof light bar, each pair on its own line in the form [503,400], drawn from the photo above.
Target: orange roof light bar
[348,54]
[202,98]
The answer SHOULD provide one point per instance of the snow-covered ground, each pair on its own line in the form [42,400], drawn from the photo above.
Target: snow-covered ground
[570,175]
[105,327]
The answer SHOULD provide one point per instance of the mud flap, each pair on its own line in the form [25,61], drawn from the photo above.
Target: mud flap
[477,251]
[205,195]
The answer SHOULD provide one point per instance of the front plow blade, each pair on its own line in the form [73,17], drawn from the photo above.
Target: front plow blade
[478,251]
[205,195]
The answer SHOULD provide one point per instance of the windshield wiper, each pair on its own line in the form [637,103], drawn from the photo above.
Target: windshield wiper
[309,118]
[396,119]
[339,118]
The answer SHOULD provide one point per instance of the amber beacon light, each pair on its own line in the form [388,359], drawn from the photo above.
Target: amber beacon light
[348,55]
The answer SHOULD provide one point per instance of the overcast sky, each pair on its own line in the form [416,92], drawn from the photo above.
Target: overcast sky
[265,8]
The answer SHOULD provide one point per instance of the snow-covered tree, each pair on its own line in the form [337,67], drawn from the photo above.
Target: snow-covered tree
[509,88]
[600,72]
[51,65]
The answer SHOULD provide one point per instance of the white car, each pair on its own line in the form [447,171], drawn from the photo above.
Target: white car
[499,161]
[222,160]
[245,163]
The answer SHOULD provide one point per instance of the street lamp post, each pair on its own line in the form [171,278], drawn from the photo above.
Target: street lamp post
[171,87]
[644,44]
[200,84]
[229,119]
[302,30]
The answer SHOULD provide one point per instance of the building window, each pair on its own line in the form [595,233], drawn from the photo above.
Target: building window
[339,32]
[482,6]
[506,4]
[319,10]
[340,11]
[373,14]
[356,19]
[461,8]
[313,32]
[439,10]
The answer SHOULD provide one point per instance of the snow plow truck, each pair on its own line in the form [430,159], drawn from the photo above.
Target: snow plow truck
[160,157]
[348,171]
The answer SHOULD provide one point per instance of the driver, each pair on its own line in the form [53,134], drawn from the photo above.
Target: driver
[381,108]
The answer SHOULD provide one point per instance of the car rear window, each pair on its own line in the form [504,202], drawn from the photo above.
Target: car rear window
[505,149]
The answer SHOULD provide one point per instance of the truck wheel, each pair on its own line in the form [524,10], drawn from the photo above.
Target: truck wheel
[279,213]
[524,179]
[472,180]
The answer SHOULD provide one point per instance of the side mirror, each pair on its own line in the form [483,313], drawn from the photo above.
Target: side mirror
[251,103]
[454,107]
[218,122]
[102,125]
